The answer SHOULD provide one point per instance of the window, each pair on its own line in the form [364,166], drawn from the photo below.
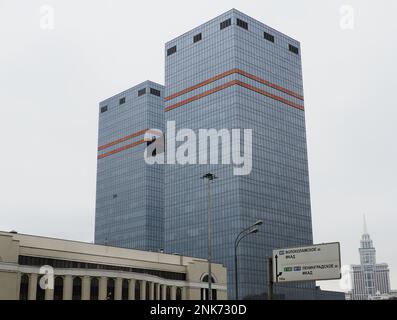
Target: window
[58,288]
[24,287]
[76,293]
[137,290]
[155,92]
[124,291]
[268,36]
[115,196]
[225,23]
[197,37]
[122,101]
[40,293]
[242,24]
[204,291]
[110,289]
[155,297]
[204,294]
[147,291]
[293,49]
[178,293]
[104,109]
[94,289]
[141,92]
[171,50]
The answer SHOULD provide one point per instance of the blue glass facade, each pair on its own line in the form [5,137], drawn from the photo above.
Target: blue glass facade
[130,197]
[235,76]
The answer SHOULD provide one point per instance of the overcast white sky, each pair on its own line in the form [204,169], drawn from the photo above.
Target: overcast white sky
[52,80]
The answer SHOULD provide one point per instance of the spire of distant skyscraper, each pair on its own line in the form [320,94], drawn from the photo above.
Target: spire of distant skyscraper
[365,225]
[370,279]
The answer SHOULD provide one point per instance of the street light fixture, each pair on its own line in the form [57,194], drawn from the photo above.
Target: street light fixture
[210,177]
[246,232]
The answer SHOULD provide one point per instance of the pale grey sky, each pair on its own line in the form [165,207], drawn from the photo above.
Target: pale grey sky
[52,80]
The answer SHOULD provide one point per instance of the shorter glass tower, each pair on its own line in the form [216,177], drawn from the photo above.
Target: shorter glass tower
[129,196]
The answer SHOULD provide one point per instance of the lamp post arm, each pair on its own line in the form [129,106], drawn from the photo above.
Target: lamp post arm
[237,238]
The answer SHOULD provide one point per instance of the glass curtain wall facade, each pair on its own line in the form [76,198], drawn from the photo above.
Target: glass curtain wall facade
[130,197]
[234,72]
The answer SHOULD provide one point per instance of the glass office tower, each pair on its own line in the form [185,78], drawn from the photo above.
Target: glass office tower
[234,72]
[130,197]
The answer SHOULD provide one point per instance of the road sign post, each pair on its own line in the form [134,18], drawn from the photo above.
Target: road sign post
[315,262]
[270,278]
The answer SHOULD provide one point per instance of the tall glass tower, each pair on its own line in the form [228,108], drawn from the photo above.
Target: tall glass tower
[234,72]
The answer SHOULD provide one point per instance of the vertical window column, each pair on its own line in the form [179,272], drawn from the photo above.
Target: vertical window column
[173,293]
[77,286]
[67,287]
[118,289]
[184,293]
[49,294]
[86,287]
[163,292]
[102,288]
[24,287]
[158,291]
[131,289]
[32,286]
[94,289]
[151,292]
[58,288]
[143,290]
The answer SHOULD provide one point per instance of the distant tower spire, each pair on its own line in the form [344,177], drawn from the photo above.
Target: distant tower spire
[365,225]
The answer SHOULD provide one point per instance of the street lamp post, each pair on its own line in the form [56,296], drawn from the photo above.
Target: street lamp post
[210,177]
[246,232]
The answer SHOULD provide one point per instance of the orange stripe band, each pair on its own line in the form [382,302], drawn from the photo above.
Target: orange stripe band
[136,134]
[227,73]
[128,146]
[229,84]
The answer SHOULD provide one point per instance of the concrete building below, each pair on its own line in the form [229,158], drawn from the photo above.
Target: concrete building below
[40,268]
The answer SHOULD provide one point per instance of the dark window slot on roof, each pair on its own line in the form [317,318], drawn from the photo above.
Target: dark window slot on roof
[293,49]
[122,100]
[141,92]
[171,50]
[225,23]
[104,109]
[155,92]
[242,24]
[268,36]
[197,37]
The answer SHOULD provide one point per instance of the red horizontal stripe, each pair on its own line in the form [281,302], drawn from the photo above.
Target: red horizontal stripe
[201,95]
[265,93]
[128,146]
[136,134]
[269,84]
[227,73]
[229,84]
